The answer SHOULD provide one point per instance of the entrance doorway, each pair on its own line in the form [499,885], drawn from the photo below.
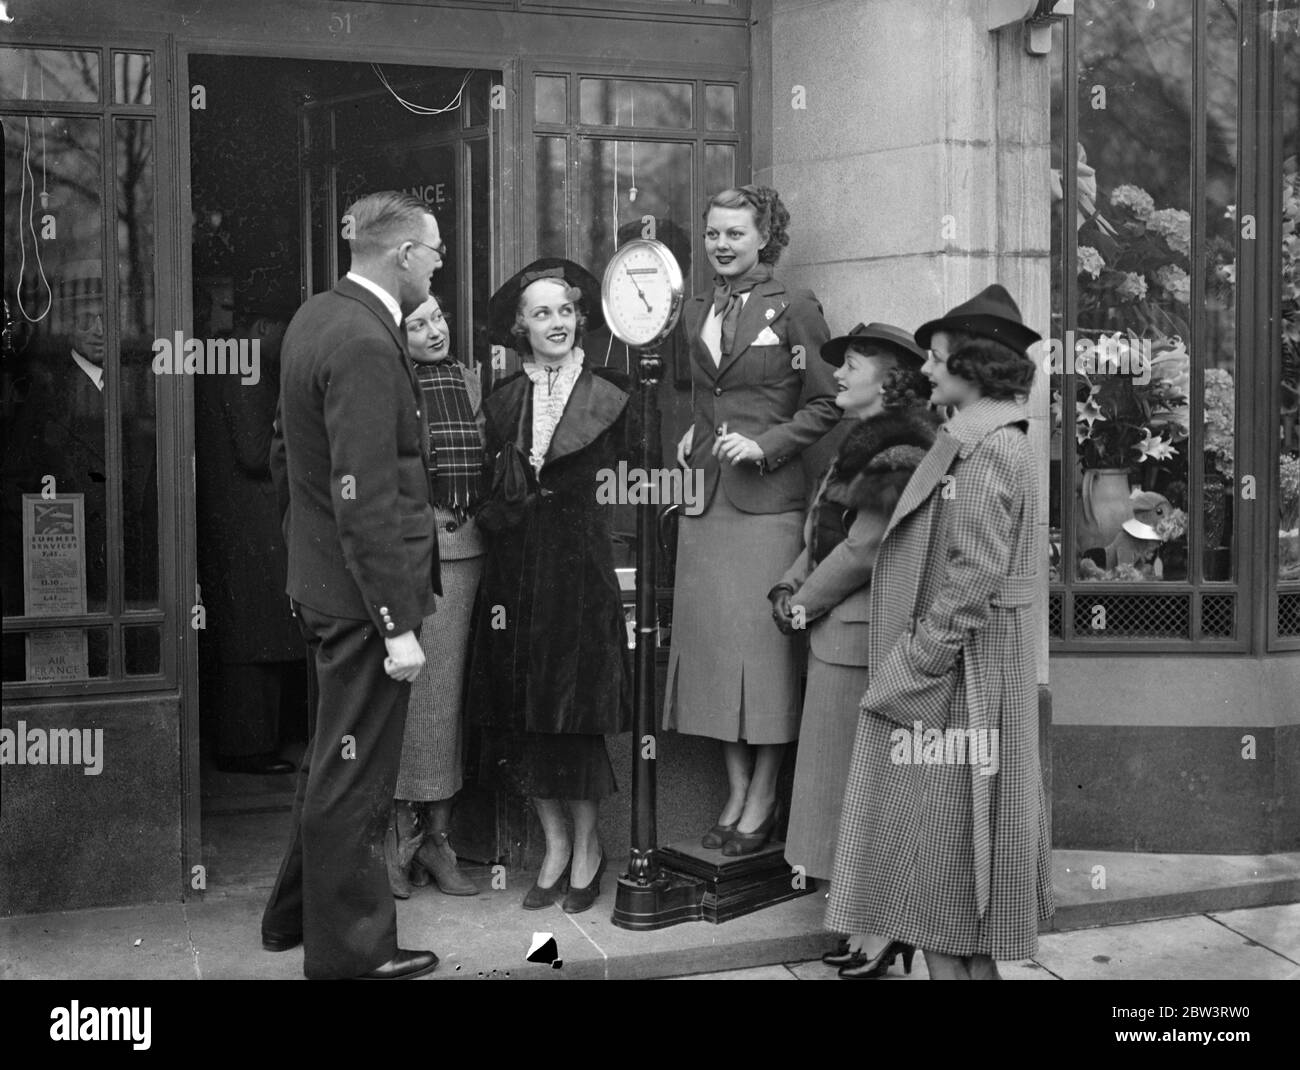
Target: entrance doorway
[278,149]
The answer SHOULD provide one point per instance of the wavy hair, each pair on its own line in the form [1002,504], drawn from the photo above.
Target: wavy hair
[771,217]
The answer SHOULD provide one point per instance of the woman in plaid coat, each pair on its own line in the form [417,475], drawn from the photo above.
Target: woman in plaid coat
[943,840]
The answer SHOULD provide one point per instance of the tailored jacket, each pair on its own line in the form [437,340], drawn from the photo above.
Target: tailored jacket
[935,848]
[781,396]
[870,470]
[549,647]
[351,454]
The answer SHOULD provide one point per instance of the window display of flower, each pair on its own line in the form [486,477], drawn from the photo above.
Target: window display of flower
[1172,527]
[1175,226]
[1124,416]
[1176,283]
[1090,261]
[1220,396]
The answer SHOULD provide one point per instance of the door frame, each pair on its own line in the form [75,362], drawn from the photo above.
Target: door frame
[504,253]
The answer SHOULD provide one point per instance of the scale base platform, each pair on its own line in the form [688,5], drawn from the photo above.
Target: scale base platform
[699,884]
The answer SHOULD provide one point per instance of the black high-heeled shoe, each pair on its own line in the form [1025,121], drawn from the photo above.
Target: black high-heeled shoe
[843,956]
[539,897]
[747,843]
[719,835]
[580,899]
[879,964]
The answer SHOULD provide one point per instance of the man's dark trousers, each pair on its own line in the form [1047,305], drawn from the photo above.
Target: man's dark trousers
[345,793]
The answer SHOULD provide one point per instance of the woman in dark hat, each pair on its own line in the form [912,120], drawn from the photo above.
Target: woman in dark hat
[430,773]
[827,590]
[760,396]
[551,672]
[943,840]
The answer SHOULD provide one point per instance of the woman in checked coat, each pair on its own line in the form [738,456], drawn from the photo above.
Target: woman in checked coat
[941,846]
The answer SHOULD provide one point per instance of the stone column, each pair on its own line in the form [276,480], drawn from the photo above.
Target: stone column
[912,147]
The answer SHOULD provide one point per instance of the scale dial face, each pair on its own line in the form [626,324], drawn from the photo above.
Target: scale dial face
[642,293]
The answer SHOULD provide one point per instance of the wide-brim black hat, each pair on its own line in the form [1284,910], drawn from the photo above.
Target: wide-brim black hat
[503,303]
[991,313]
[883,335]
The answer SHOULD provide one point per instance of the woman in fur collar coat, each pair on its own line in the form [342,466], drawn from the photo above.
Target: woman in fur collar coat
[827,589]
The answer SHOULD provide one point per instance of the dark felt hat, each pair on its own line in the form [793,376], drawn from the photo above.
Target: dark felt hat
[991,313]
[884,335]
[503,303]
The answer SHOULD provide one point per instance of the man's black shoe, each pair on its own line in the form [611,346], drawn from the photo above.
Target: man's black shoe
[403,966]
[275,942]
[257,764]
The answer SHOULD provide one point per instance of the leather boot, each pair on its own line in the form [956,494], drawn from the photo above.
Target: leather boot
[397,882]
[400,844]
[435,855]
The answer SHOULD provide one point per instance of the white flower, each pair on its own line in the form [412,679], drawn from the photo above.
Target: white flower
[1133,288]
[1175,226]
[1136,199]
[1155,447]
[1090,261]
[1176,282]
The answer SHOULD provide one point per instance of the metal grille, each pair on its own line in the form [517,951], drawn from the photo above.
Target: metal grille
[1217,616]
[1144,616]
[1055,624]
[1288,614]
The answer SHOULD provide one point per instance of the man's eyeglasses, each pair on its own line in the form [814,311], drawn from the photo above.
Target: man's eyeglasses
[440,248]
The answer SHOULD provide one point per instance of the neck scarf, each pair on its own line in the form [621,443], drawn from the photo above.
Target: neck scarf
[552,385]
[727,302]
[455,444]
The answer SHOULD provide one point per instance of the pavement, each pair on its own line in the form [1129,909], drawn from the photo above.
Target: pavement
[1120,916]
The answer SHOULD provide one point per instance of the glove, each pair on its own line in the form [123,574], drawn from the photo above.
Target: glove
[780,599]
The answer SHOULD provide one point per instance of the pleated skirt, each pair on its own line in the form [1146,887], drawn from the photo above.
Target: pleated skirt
[826,734]
[731,674]
[433,743]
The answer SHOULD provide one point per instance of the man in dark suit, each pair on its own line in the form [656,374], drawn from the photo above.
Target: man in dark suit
[363,568]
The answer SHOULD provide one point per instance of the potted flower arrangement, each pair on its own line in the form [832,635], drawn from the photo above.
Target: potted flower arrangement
[1123,421]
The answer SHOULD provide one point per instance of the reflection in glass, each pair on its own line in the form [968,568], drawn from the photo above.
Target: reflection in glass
[552,176]
[720,107]
[615,102]
[46,74]
[54,431]
[142,648]
[132,78]
[1288,61]
[610,213]
[552,104]
[134,161]
[719,167]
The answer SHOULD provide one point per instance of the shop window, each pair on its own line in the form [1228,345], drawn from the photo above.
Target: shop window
[1156,294]
[50,75]
[81,501]
[617,102]
[132,78]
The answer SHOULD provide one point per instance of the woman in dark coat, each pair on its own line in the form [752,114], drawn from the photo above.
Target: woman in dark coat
[760,397]
[551,672]
[943,840]
[883,394]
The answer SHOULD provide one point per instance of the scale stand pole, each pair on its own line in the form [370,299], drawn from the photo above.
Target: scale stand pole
[643,866]
[649,897]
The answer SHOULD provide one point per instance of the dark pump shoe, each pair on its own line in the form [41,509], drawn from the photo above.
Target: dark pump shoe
[539,897]
[746,843]
[403,966]
[580,899]
[276,942]
[718,836]
[268,764]
[842,956]
[866,968]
